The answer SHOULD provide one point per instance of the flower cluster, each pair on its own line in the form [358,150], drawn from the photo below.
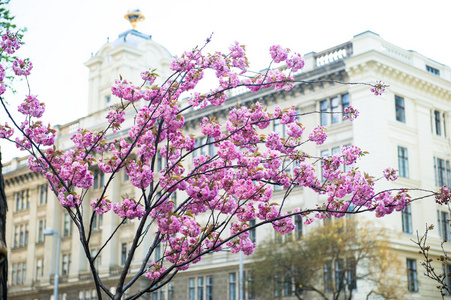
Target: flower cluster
[278,54]
[22,67]
[6,131]
[31,106]
[149,76]
[318,135]
[155,271]
[350,113]
[378,88]
[443,196]
[101,206]
[11,42]
[391,174]
[128,209]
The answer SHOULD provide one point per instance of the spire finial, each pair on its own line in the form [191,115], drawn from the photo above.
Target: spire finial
[134,16]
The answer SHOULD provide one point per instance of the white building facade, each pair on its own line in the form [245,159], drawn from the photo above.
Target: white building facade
[406,128]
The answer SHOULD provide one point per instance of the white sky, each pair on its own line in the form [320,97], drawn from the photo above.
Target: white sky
[62,35]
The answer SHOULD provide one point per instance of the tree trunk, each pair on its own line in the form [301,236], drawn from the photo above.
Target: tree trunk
[3,251]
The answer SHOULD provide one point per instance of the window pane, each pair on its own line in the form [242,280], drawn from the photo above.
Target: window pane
[437,122]
[200,288]
[412,281]
[400,112]
[403,164]
[232,286]
[335,110]
[192,290]
[407,219]
[323,115]
[209,288]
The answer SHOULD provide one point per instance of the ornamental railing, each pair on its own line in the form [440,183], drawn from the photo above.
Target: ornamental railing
[334,54]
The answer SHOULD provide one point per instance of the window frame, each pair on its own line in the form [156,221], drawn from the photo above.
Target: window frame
[232,286]
[412,276]
[400,109]
[403,162]
[406,219]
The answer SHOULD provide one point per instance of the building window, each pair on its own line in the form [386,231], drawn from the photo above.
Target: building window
[232,286]
[412,280]
[287,286]
[279,128]
[99,179]
[344,102]
[39,269]
[403,162]
[253,232]
[443,225]
[298,223]
[209,289]
[157,251]
[278,237]
[18,273]
[437,122]
[22,200]
[334,105]
[328,283]
[250,287]
[67,225]
[192,289]
[65,270]
[41,226]
[337,106]
[97,221]
[159,162]
[447,277]
[21,235]
[123,253]
[433,70]
[442,172]
[400,110]
[43,194]
[98,259]
[339,274]
[406,216]
[200,288]
[171,291]
[351,275]
[324,105]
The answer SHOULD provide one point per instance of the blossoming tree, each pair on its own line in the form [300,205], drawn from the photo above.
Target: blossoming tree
[227,190]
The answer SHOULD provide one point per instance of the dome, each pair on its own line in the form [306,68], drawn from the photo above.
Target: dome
[131,37]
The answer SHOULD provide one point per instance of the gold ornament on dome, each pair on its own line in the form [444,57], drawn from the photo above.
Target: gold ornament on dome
[134,16]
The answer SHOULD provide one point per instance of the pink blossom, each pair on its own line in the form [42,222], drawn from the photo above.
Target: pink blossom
[149,76]
[102,206]
[318,135]
[378,88]
[295,63]
[31,106]
[443,196]
[129,209]
[6,131]
[391,174]
[278,54]
[22,67]
[10,42]
[155,271]
[350,113]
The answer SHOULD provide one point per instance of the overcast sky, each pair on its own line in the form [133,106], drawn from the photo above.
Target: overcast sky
[62,34]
